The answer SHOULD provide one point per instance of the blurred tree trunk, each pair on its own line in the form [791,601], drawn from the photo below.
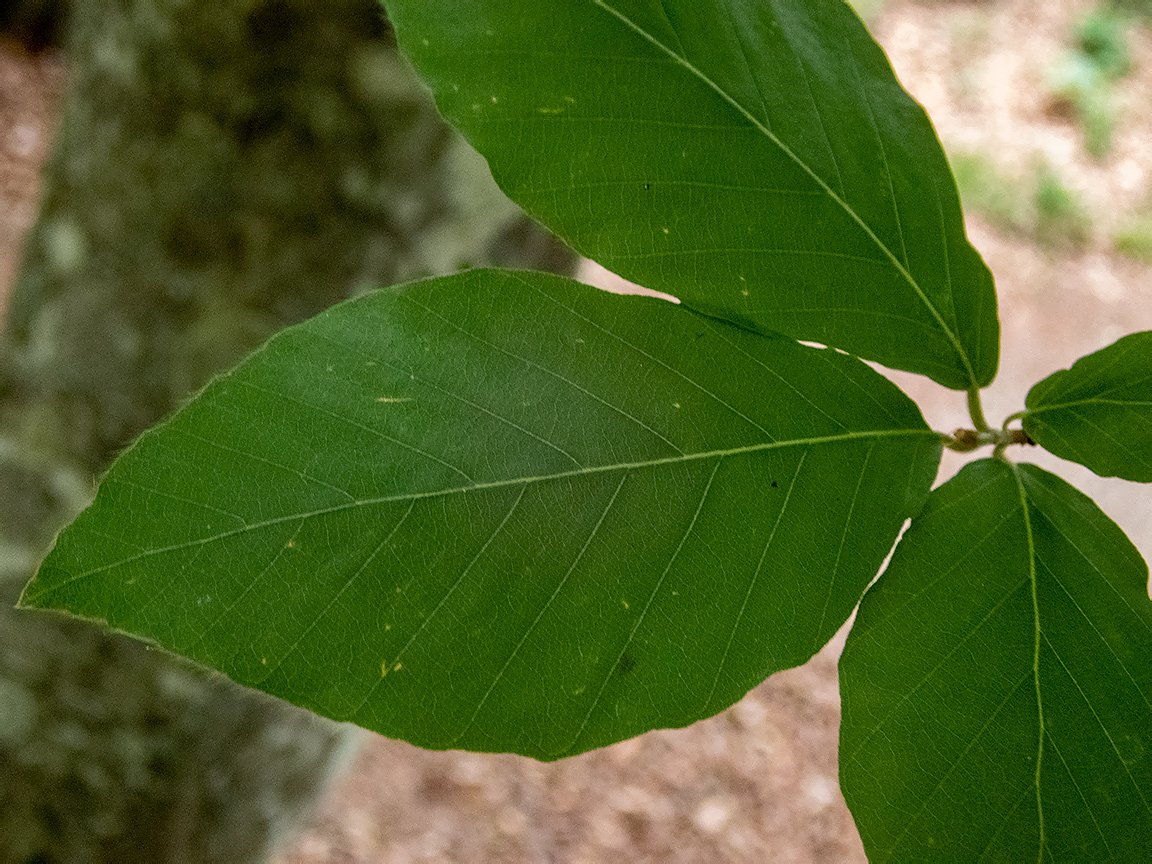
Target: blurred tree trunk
[223,168]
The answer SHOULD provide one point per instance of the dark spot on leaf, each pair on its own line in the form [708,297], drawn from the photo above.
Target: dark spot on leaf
[626,664]
[774,484]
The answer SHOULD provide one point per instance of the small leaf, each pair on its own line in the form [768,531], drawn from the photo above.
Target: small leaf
[503,511]
[1099,412]
[756,159]
[997,688]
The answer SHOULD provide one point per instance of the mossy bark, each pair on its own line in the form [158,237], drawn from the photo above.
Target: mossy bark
[223,168]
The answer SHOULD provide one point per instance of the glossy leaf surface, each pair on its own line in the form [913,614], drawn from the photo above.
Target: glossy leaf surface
[756,159]
[503,511]
[1099,412]
[997,682]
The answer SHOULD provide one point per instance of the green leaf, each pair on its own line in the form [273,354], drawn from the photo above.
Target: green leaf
[1099,412]
[503,511]
[756,159]
[997,687]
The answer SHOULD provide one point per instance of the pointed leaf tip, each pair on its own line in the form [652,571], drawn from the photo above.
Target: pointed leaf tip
[505,512]
[757,160]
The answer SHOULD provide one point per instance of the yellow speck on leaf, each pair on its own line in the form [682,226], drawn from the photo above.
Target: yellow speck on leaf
[665,230]
[394,399]
[397,667]
[675,404]
[264,661]
[625,602]
[745,292]
[291,544]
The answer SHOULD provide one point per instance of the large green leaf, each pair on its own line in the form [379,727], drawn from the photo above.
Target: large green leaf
[504,511]
[997,683]
[755,158]
[1099,412]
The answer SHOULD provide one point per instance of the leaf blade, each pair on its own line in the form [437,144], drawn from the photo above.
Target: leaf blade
[1008,702]
[506,512]
[1099,412]
[758,161]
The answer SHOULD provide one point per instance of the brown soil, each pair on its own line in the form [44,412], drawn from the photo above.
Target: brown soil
[758,782]
[30,90]
[982,70]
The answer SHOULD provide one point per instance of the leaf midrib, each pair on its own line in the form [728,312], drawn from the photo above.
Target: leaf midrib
[498,484]
[1038,638]
[784,148]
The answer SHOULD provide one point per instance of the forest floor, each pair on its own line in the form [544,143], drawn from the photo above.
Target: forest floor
[759,781]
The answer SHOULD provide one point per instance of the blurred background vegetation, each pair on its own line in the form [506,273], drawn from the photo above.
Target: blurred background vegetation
[1084,84]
